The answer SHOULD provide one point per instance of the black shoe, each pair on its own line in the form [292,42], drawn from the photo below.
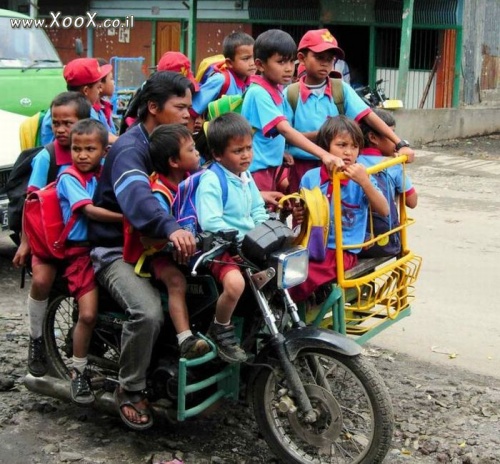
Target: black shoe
[227,344]
[80,389]
[37,359]
[194,347]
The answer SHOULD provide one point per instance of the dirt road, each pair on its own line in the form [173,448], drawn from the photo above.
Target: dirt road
[441,365]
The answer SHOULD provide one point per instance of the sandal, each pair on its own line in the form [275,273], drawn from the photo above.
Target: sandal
[130,399]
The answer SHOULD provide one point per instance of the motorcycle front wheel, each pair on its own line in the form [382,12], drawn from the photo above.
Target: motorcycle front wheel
[354,412]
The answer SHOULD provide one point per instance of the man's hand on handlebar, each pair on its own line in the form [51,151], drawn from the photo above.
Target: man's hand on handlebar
[185,245]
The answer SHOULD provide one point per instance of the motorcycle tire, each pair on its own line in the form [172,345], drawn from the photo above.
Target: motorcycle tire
[59,323]
[355,417]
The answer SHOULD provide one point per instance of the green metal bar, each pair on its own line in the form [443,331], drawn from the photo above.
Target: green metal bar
[153,43]
[372,72]
[458,69]
[182,42]
[404,53]
[202,406]
[362,339]
[193,9]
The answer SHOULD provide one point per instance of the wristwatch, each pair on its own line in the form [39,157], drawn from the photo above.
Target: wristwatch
[402,143]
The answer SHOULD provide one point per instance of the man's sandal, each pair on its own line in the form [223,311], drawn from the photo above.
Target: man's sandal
[130,399]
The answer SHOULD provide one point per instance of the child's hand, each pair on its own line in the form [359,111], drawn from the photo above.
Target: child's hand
[357,172]
[408,152]
[332,162]
[298,213]
[288,159]
[271,198]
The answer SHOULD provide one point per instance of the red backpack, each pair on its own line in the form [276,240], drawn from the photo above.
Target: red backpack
[43,221]
[132,245]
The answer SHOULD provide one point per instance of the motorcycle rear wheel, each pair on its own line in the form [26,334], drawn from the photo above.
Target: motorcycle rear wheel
[355,417]
[59,323]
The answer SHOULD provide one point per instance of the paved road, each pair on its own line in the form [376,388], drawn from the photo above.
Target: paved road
[456,316]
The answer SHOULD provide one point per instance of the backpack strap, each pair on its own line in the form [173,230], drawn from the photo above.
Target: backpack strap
[53,167]
[227,82]
[159,187]
[71,170]
[215,167]
[336,88]
[338,94]
[292,95]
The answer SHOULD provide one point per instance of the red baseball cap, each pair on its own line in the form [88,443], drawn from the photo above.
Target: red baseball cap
[177,62]
[319,40]
[85,71]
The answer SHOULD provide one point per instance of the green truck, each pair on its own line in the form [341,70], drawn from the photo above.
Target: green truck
[31,75]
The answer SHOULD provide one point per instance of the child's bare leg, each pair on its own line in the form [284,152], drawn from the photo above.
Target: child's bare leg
[222,331]
[175,281]
[81,391]
[233,284]
[87,315]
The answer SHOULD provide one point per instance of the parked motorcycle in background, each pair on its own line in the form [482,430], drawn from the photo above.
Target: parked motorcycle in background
[376,98]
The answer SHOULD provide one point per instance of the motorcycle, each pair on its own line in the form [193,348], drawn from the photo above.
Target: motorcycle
[315,398]
[376,98]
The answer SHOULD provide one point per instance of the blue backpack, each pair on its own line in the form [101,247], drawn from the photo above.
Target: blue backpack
[391,245]
[184,206]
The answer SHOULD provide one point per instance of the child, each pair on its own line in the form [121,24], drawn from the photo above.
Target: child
[267,111]
[317,52]
[67,108]
[344,138]
[103,106]
[89,139]
[377,146]
[173,154]
[391,181]
[230,140]
[82,75]
[239,66]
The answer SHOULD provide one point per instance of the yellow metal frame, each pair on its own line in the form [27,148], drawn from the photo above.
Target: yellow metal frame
[365,305]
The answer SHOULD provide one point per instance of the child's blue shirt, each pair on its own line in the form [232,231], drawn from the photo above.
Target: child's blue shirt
[264,106]
[72,196]
[314,109]
[211,89]
[244,208]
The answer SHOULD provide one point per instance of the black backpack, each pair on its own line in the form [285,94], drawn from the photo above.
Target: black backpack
[17,184]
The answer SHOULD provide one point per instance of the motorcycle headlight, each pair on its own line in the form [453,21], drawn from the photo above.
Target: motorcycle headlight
[291,266]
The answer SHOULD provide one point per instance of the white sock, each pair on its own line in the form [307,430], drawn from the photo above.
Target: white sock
[36,314]
[183,336]
[221,323]
[79,363]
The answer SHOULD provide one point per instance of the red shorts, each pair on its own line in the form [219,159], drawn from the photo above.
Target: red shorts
[297,171]
[79,271]
[219,270]
[269,180]
[159,264]
[321,273]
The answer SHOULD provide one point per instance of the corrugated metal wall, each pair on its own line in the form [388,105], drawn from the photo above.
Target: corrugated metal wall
[481,49]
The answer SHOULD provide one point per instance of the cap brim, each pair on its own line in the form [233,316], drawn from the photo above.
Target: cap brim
[334,74]
[105,70]
[339,53]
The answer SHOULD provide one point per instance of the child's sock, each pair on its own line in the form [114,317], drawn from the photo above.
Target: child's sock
[221,323]
[79,363]
[183,336]
[36,314]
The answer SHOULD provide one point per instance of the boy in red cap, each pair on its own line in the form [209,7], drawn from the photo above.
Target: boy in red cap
[177,62]
[82,75]
[317,51]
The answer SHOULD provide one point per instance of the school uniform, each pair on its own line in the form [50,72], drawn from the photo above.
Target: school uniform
[104,110]
[40,166]
[354,218]
[264,106]
[314,107]
[73,196]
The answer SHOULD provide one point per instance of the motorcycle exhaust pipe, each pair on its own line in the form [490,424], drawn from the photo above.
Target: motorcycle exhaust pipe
[104,401]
